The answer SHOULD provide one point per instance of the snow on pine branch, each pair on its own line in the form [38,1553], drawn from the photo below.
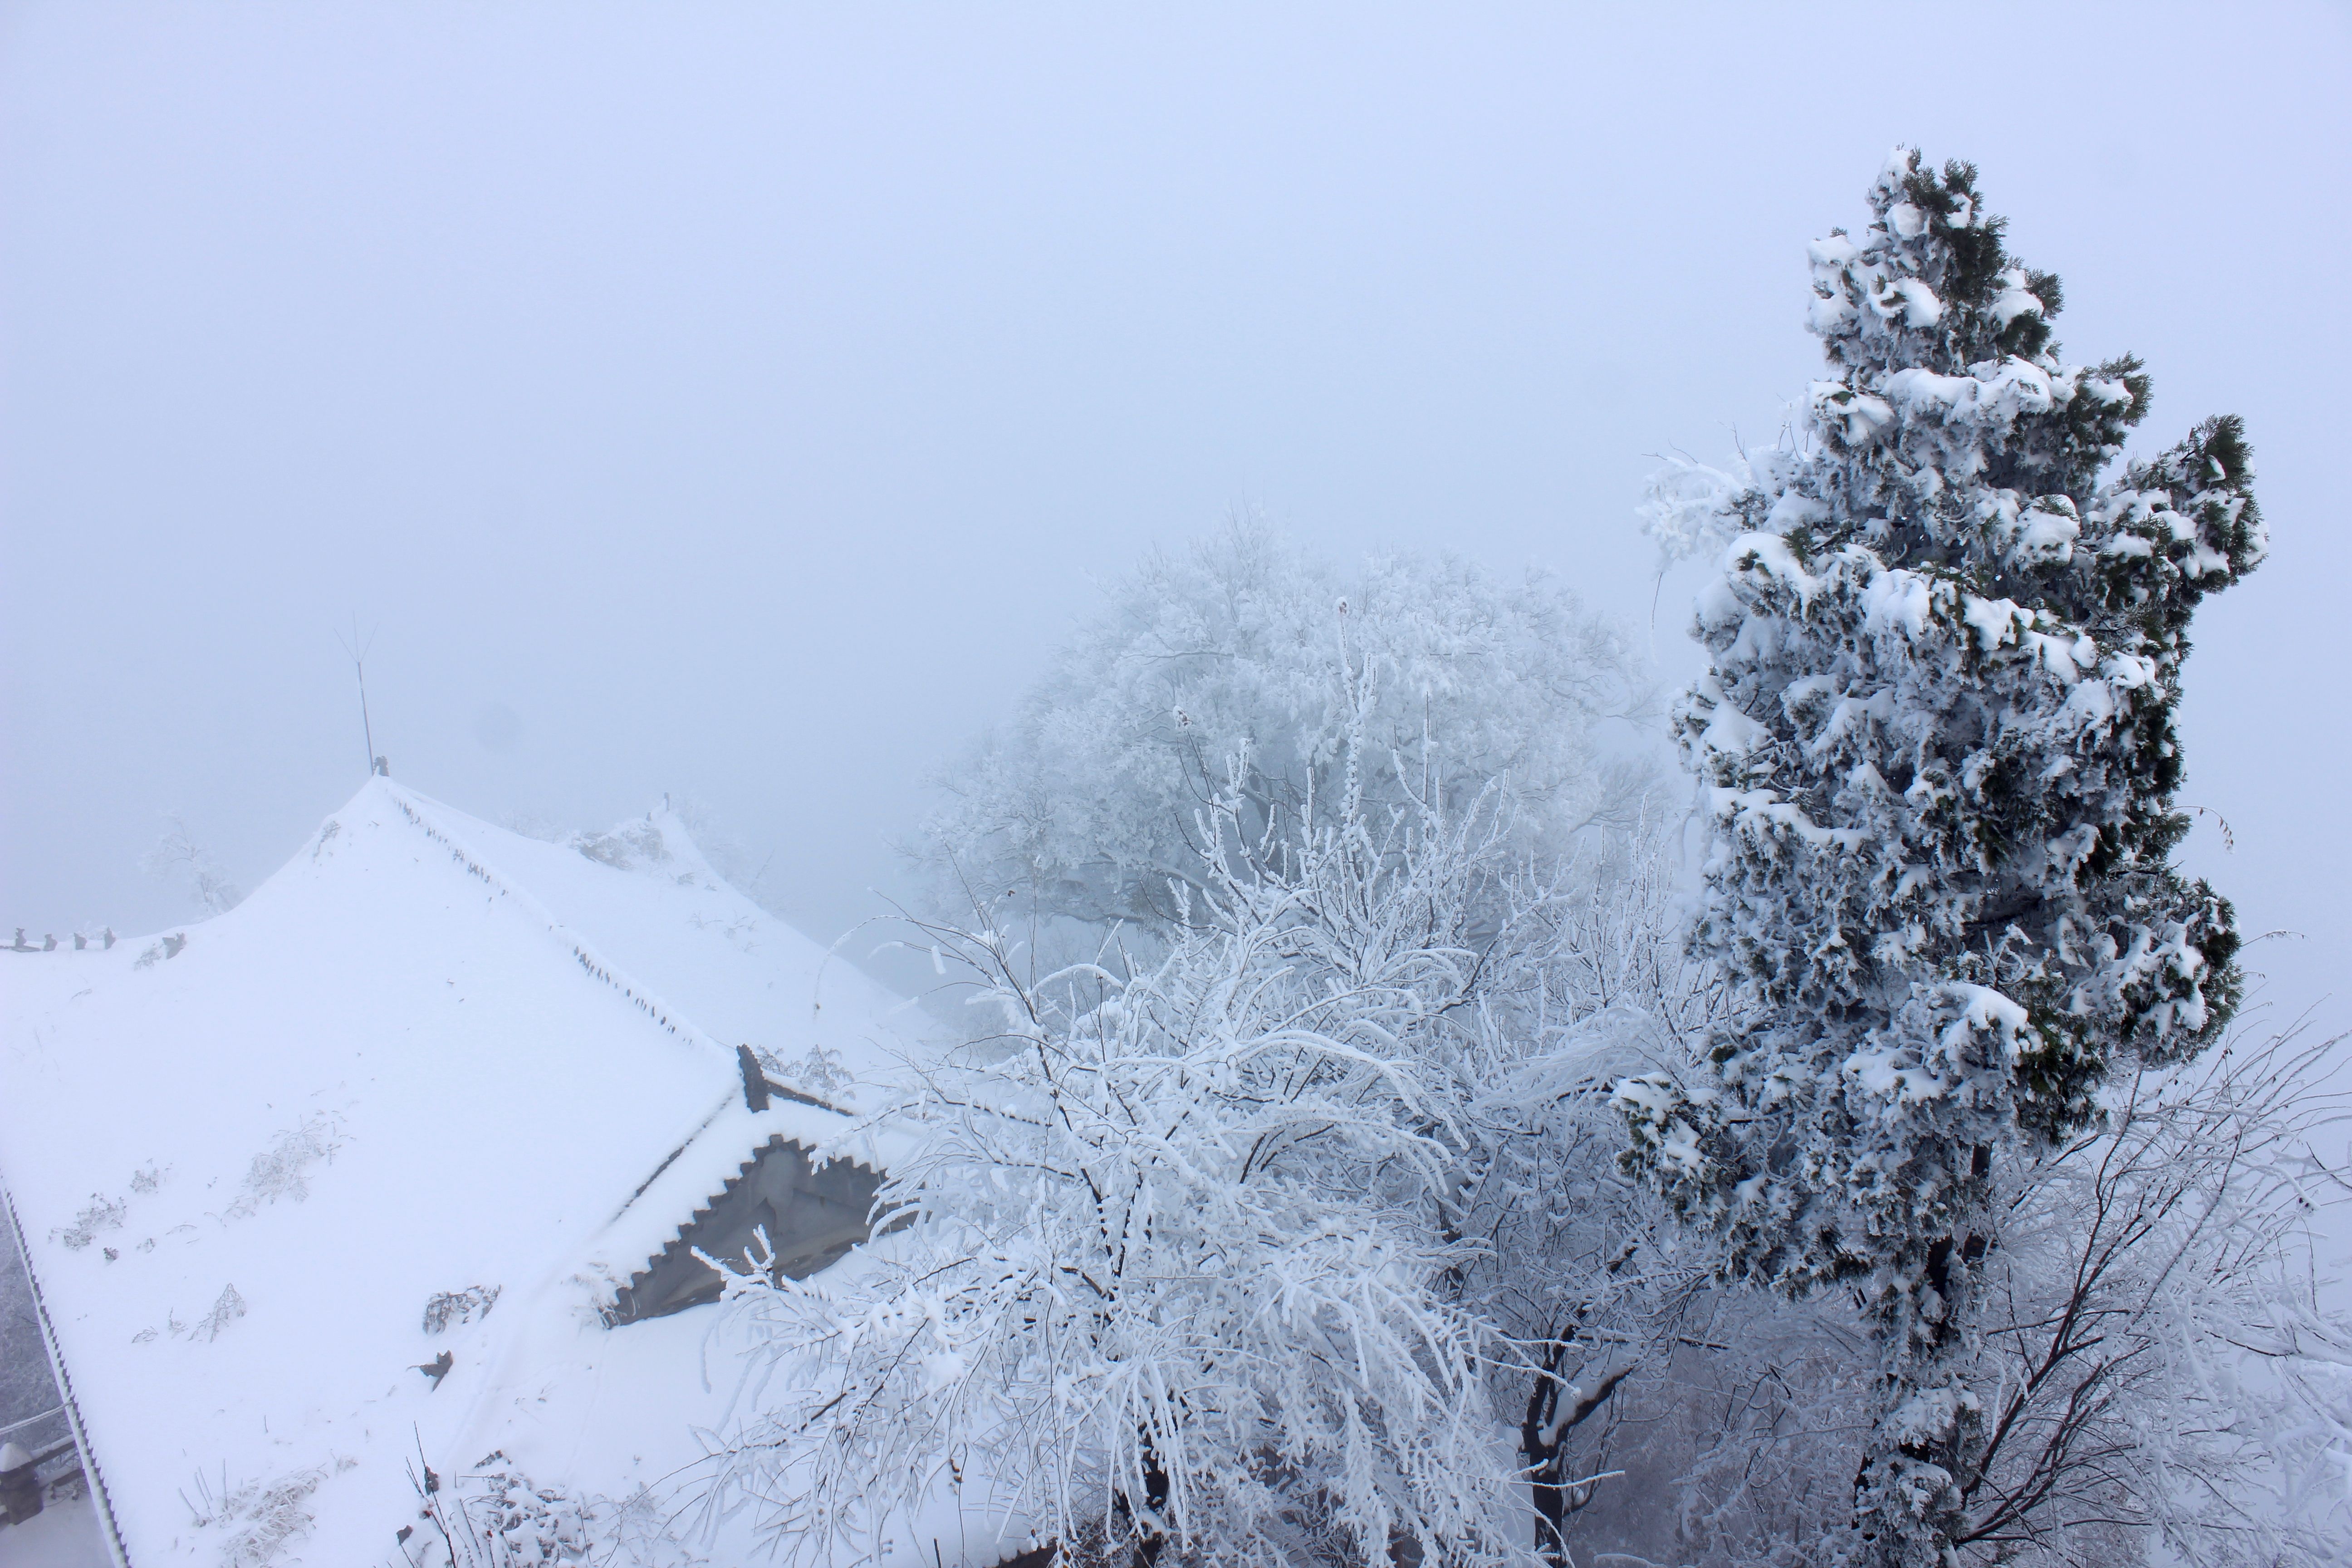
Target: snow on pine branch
[1688,507]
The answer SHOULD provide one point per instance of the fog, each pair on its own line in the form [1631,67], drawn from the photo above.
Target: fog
[741,403]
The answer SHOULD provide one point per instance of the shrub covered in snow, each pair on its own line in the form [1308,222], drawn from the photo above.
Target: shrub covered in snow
[495,1516]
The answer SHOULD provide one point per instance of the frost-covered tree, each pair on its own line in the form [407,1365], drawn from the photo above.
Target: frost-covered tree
[2155,1358]
[1085,809]
[1178,1266]
[1262,1245]
[1581,1271]
[1939,745]
[2158,1374]
[178,857]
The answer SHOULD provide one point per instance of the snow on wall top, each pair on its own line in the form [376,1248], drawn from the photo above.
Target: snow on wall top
[427,1056]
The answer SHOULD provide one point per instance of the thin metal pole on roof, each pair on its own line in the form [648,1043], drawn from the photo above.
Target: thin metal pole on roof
[358,651]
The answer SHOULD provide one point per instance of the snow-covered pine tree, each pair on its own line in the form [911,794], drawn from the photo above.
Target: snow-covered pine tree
[1937,736]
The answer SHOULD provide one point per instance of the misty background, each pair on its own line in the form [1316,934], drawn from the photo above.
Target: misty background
[740,402]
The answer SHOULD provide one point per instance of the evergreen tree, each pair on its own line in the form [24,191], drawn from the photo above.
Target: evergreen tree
[1938,738]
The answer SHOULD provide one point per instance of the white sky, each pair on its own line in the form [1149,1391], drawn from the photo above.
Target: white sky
[743,400]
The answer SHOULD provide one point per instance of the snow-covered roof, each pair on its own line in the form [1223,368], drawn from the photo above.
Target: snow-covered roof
[427,1056]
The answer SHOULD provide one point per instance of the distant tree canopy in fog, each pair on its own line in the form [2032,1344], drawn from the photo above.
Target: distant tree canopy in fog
[1246,668]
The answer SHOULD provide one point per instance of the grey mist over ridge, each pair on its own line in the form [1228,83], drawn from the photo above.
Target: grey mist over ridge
[742,403]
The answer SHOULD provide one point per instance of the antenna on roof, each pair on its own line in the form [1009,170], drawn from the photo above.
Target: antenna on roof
[357,650]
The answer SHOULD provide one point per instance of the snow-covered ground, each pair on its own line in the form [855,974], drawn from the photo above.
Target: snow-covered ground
[428,1056]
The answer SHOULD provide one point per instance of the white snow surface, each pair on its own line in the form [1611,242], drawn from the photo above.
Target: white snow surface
[427,1055]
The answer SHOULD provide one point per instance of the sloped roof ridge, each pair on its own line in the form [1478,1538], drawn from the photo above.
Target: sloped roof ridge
[640,996]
